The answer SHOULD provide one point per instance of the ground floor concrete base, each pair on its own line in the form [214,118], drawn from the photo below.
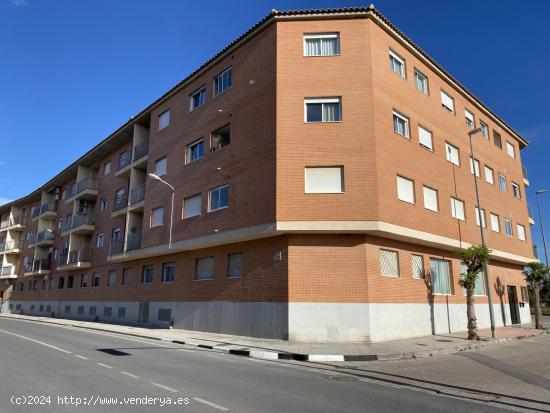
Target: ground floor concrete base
[315,322]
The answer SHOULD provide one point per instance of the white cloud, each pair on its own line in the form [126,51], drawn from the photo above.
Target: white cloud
[4,200]
[19,3]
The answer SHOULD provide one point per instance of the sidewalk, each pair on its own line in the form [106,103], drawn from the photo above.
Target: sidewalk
[280,349]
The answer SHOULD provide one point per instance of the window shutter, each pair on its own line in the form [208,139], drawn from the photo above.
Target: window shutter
[425,138]
[322,180]
[447,101]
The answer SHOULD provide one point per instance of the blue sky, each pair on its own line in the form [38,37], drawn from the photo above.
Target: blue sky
[73,71]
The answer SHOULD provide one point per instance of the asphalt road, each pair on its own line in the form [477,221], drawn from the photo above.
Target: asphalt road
[42,360]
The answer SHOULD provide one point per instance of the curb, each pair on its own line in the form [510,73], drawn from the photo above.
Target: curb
[274,355]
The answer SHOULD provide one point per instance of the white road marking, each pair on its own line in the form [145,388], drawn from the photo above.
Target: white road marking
[81,357]
[36,341]
[164,387]
[129,374]
[104,365]
[216,406]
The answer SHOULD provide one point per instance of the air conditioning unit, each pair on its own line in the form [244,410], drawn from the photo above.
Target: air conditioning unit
[81,210]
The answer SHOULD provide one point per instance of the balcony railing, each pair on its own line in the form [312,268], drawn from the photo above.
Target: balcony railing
[39,265]
[116,246]
[141,150]
[10,222]
[76,221]
[524,169]
[134,242]
[7,270]
[47,207]
[137,194]
[75,189]
[124,159]
[73,257]
[530,212]
[46,235]
[121,201]
[12,244]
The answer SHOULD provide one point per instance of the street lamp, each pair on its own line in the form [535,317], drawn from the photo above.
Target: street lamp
[480,218]
[158,178]
[542,191]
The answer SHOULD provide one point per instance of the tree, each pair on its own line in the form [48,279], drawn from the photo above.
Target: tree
[475,258]
[534,275]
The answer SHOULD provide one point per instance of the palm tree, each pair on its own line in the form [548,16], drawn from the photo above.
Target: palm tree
[475,258]
[534,275]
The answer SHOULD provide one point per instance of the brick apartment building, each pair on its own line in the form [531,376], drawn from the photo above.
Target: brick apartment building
[320,167]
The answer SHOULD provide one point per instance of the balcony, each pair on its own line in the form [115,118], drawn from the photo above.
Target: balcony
[85,189]
[78,224]
[116,246]
[120,205]
[123,164]
[531,216]
[7,272]
[525,178]
[137,197]
[13,223]
[76,259]
[12,246]
[38,267]
[43,238]
[47,210]
[140,154]
[134,242]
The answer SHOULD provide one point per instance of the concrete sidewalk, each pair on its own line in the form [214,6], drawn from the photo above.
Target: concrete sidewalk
[304,351]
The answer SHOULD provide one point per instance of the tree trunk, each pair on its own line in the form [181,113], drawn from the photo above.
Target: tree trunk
[538,310]
[471,314]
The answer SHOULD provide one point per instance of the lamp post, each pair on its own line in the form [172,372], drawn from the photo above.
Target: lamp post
[542,191]
[480,218]
[158,178]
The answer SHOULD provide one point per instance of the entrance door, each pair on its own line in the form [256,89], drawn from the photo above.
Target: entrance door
[513,301]
[143,313]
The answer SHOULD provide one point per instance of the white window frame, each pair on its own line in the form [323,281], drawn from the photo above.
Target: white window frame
[189,150]
[483,216]
[447,102]
[449,275]
[469,116]
[100,240]
[164,119]
[186,200]
[107,168]
[198,92]
[398,58]
[423,134]
[475,167]
[501,181]
[509,226]
[495,222]
[321,101]
[491,174]
[510,150]
[516,190]
[332,35]
[434,191]
[448,153]
[424,81]
[454,210]
[219,92]
[159,161]
[405,119]
[218,188]
[521,232]
[404,196]
[309,187]
[484,129]
[153,217]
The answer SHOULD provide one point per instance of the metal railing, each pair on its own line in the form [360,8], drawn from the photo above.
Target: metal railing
[47,207]
[141,150]
[73,257]
[121,201]
[10,245]
[116,246]
[137,194]
[46,235]
[76,221]
[75,189]
[124,159]
[134,242]
[19,220]
[40,265]
[7,270]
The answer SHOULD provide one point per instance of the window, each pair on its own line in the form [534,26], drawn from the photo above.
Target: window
[441,278]
[92,310]
[389,263]
[222,81]
[324,180]
[495,224]
[111,278]
[127,277]
[521,232]
[204,268]
[469,116]
[515,190]
[425,138]
[418,266]
[107,168]
[447,102]
[121,312]
[321,44]
[83,280]
[430,199]
[80,310]
[405,190]
[192,206]
[502,183]
[95,279]
[400,124]
[421,81]
[489,175]
[61,282]
[60,223]
[508,227]
[510,150]
[168,272]
[157,216]
[220,138]
[484,129]
[160,167]
[474,167]
[147,274]
[497,139]
[524,295]
[195,151]
[29,235]
[479,288]
[457,209]
[197,99]
[235,265]
[102,204]
[164,119]
[107,312]
[453,154]
[397,64]
[219,198]
[100,240]
[482,217]
[322,110]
